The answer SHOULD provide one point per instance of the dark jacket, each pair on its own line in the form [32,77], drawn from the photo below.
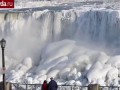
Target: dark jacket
[52,85]
[44,86]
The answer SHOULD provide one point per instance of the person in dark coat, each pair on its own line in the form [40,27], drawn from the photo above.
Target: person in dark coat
[52,84]
[44,85]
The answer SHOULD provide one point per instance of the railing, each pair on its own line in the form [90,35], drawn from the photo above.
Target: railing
[17,86]
[109,88]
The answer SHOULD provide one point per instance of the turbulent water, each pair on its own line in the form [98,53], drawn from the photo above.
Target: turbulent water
[70,45]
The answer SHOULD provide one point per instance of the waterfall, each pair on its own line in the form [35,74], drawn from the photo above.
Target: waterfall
[29,34]
[50,26]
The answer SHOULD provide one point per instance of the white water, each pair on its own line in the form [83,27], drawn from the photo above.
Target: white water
[76,46]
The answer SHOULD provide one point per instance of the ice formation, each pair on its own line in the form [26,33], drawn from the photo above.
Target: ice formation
[75,46]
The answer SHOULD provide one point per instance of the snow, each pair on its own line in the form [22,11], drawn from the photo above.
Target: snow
[114,4]
[57,64]
[20,70]
[73,43]
[115,62]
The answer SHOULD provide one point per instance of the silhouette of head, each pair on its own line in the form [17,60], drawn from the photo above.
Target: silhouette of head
[45,81]
[51,78]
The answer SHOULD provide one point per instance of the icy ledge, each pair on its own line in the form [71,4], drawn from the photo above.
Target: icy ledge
[70,63]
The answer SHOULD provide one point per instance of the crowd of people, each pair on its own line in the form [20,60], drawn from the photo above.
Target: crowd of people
[52,85]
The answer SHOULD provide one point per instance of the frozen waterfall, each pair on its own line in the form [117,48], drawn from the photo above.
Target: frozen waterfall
[68,44]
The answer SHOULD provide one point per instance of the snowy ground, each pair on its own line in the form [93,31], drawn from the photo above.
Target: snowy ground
[114,4]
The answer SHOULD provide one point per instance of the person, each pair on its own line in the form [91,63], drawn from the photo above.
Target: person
[52,84]
[44,85]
